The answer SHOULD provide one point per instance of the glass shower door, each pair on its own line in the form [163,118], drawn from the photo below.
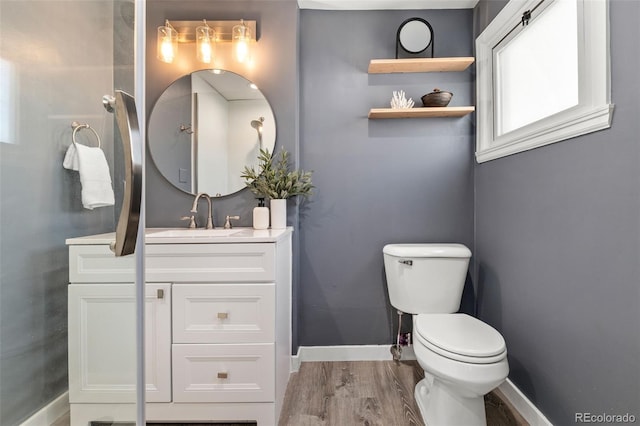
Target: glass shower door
[69,342]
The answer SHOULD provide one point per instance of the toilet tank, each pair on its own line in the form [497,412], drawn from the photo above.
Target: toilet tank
[426,278]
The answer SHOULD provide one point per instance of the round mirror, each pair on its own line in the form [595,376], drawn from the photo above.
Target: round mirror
[415,35]
[206,127]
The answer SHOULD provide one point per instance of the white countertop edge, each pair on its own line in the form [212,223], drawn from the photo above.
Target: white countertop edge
[248,235]
[92,239]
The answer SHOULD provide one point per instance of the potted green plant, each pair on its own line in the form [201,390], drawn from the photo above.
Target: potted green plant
[273,179]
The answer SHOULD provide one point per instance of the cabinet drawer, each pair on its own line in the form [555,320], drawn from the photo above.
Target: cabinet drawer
[223,373]
[98,264]
[223,313]
[210,262]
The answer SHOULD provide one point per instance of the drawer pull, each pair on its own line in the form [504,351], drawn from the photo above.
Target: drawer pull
[160,293]
[223,315]
[223,375]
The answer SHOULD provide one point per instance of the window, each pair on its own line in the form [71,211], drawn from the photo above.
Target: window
[8,102]
[542,75]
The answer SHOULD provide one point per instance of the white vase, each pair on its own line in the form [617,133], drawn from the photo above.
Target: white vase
[278,214]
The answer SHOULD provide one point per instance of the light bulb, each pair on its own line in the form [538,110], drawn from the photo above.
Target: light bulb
[166,51]
[242,50]
[205,53]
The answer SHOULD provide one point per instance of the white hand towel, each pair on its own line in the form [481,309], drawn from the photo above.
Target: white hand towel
[71,158]
[94,175]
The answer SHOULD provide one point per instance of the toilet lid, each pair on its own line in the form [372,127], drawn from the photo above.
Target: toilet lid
[427,250]
[460,337]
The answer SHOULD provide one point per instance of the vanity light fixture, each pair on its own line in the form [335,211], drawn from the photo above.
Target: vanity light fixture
[167,42]
[206,34]
[205,42]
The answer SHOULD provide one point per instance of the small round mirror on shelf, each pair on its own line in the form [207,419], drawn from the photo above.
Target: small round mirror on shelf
[206,127]
[414,36]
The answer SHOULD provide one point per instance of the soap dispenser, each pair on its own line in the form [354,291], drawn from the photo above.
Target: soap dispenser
[261,215]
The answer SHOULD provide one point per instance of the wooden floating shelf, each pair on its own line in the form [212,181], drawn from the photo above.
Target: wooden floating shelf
[422,112]
[388,66]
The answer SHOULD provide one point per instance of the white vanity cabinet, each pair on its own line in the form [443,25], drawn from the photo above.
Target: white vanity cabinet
[217,322]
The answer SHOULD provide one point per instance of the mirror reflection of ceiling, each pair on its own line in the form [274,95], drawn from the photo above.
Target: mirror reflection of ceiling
[206,127]
[386,4]
[230,86]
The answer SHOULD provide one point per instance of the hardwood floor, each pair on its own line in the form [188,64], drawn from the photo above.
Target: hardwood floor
[371,393]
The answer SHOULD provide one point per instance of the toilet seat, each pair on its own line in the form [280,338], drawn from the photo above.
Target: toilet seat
[460,337]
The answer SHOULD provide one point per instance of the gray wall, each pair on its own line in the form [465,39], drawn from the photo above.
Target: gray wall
[63,57]
[378,181]
[416,174]
[276,75]
[557,249]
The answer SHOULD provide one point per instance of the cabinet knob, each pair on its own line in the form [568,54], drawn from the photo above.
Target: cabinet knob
[160,293]
[223,375]
[223,315]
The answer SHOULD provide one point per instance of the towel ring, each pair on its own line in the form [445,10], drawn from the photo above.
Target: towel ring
[78,126]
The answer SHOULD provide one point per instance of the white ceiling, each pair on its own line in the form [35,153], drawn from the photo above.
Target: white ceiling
[385,4]
[231,86]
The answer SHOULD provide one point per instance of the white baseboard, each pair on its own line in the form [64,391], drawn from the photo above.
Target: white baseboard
[522,404]
[347,353]
[50,413]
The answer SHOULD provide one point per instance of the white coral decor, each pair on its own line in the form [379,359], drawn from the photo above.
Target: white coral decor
[399,101]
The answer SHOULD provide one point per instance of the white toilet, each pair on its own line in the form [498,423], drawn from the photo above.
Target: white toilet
[463,358]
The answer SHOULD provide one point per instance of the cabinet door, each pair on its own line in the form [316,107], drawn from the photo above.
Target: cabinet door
[101,368]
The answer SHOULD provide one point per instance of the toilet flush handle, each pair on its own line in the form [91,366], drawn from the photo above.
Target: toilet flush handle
[406,262]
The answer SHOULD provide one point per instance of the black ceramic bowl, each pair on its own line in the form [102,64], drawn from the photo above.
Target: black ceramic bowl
[437,98]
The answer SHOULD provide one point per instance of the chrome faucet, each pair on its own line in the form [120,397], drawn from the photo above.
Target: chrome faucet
[194,208]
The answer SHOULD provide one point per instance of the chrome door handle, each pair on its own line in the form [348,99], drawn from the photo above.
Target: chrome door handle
[124,107]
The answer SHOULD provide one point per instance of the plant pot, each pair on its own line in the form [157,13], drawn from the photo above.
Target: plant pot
[278,213]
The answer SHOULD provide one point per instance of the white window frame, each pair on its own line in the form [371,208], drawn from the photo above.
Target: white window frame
[594,110]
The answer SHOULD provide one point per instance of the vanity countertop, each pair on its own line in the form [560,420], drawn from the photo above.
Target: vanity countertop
[192,236]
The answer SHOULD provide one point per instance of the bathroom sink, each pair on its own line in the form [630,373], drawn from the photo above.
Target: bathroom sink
[206,236]
[191,233]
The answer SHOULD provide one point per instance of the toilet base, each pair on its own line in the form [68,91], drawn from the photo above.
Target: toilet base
[439,407]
